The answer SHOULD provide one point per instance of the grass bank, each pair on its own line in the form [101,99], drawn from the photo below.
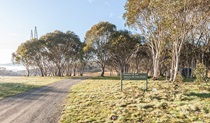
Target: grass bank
[100,100]
[14,85]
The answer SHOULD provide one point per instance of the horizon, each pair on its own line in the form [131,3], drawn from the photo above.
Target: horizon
[20,17]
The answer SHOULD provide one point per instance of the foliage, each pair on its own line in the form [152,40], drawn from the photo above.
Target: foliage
[96,42]
[120,48]
[61,48]
[179,78]
[53,54]
[22,56]
[140,60]
[199,73]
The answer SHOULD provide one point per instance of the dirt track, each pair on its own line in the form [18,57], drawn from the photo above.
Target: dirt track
[40,105]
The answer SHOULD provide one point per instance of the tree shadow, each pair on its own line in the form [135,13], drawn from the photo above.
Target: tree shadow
[201,95]
[77,77]
[27,92]
[106,78]
[188,79]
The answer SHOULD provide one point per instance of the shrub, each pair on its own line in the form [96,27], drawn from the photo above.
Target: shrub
[179,78]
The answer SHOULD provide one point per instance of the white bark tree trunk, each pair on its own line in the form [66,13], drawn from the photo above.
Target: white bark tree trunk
[155,58]
[176,68]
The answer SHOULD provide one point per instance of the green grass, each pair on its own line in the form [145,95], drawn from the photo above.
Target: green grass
[14,85]
[99,100]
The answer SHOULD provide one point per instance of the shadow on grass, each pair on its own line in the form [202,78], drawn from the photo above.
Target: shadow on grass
[106,78]
[68,77]
[188,79]
[201,95]
[8,89]
[28,92]
[111,78]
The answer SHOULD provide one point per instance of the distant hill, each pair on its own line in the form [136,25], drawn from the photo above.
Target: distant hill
[13,67]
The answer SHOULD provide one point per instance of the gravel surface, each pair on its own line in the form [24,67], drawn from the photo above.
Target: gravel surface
[39,105]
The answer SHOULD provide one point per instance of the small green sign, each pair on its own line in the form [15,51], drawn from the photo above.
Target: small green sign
[133,76]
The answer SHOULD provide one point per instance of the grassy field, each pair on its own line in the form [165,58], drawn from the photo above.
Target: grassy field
[14,85]
[100,100]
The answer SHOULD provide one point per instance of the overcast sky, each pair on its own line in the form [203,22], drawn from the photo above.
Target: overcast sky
[19,17]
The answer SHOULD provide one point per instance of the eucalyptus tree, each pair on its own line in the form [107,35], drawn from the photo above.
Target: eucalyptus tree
[141,54]
[60,47]
[143,15]
[120,48]
[96,42]
[74,53]
[21,56]
[83,58]
[142,58]
[35,49]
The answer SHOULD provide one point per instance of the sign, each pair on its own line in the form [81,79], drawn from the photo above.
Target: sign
[133,76]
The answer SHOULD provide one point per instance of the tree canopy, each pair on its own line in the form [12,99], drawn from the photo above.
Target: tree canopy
[96,42]
[53,53]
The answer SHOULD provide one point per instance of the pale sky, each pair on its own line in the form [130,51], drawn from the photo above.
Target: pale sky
[19,17]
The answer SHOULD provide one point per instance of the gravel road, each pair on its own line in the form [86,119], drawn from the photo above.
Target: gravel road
[39,105]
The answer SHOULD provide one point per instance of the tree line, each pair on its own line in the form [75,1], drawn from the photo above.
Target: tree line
[63,54]
[173,34]
[54,54]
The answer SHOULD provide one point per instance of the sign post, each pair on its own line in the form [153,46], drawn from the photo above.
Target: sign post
[146,85]
[121,79]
